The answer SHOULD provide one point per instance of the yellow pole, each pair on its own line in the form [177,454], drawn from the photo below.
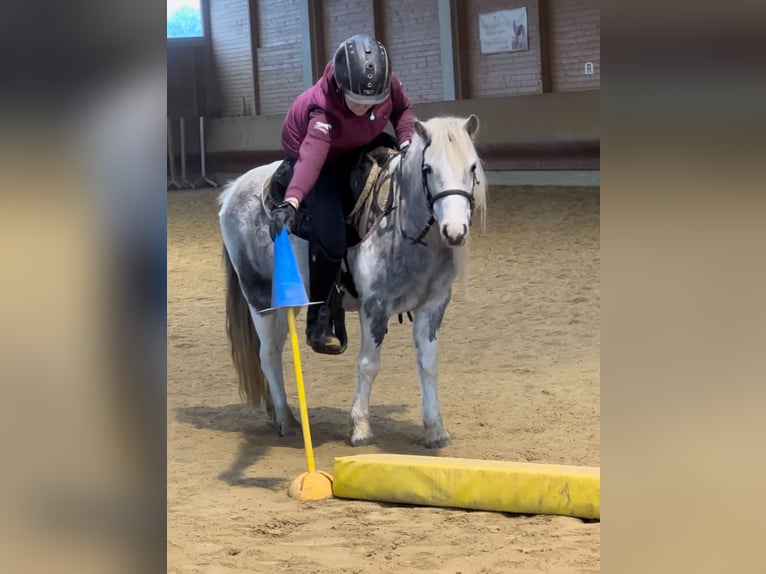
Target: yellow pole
[301,391]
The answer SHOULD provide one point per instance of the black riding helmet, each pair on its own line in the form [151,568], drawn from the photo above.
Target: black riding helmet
[362,69]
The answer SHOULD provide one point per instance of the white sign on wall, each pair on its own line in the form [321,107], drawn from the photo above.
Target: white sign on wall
[503,31]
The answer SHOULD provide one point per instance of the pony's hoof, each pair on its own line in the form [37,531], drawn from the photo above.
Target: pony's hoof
[362,440]
[289,427]
[438,440]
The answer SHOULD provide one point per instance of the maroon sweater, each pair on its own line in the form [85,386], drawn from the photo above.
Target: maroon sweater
[320,128]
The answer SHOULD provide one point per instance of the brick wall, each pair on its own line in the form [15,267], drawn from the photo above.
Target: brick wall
[214,81]
[411,35]
[232,61]
[279,48]
[344,18]
[575,38]
[506,73]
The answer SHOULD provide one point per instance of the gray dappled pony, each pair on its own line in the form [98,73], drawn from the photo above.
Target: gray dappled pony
[407,262]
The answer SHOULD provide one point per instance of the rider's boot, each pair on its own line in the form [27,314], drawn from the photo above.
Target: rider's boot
[323,273]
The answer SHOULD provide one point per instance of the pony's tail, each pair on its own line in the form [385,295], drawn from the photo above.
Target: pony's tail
[245,344]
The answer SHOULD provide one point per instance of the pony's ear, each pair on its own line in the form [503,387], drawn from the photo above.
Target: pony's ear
[421,130]
[472,125]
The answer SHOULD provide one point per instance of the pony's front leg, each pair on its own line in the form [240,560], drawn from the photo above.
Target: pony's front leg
[272,331]
[425,332]
[373,328]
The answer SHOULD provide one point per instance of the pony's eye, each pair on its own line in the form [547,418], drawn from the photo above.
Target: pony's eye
[427,169]
[473,168]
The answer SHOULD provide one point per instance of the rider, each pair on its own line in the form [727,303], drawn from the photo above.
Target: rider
[324,130]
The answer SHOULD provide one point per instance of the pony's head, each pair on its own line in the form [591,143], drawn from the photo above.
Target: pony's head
[452,174]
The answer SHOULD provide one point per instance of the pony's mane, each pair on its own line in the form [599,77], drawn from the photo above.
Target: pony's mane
[448,134]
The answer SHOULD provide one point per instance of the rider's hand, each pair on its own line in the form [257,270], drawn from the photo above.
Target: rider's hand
[282,216]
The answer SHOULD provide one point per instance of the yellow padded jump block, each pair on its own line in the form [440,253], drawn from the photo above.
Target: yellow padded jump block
[520,487]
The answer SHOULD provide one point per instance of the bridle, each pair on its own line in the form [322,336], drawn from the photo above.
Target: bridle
[431,198]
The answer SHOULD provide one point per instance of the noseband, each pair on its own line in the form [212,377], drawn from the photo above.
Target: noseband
[433,198]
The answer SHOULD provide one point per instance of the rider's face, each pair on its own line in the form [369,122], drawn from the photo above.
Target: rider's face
[357,109]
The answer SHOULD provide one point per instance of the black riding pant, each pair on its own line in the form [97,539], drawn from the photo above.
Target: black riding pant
[328,204]
[331,200]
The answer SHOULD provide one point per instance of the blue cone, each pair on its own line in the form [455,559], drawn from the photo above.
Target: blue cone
[287,289]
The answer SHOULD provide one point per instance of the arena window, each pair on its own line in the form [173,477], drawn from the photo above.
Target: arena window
[185,19]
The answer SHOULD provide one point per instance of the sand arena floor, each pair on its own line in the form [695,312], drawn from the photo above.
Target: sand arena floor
[519,380]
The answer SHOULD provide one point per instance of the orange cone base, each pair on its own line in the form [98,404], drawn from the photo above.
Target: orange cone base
[311,486]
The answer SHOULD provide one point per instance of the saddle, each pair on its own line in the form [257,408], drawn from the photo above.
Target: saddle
[276,184]
[369,181]
[275,188]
